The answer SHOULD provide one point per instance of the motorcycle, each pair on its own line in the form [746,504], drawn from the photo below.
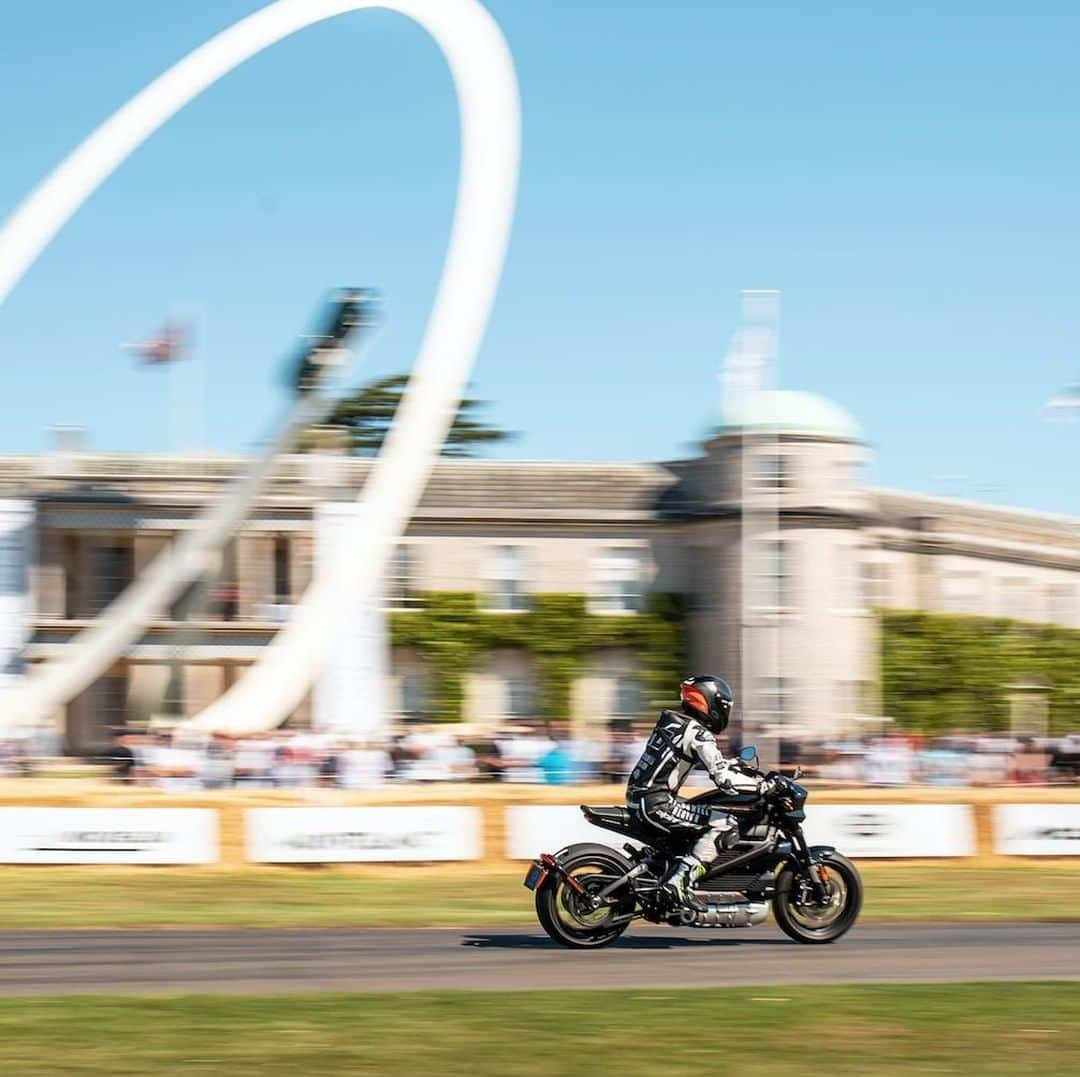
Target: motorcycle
[588,894]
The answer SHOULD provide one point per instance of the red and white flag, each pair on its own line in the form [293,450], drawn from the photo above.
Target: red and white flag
[164,347]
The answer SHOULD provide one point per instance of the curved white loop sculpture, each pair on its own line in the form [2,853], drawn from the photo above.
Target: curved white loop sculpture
[483,75]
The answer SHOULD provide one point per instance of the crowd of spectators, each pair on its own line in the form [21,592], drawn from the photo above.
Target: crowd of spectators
[550,755]
[292,759]
[954,760]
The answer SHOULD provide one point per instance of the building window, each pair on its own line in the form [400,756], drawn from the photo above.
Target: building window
[774,699]
[617,582]
[962,592]
[506,575]
[1016,598]
[401,591]
[847,588]
[772,472]
[520,698]
[772,581]
[1061,604]
[413,696]
[849,475]
[628,700]
[282,570]
[113,568]
[112,700]
[876,584]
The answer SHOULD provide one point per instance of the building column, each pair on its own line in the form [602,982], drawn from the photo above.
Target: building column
[254,572]
[47,575]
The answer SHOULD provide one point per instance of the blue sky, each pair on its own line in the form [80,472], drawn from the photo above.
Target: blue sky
[907,176]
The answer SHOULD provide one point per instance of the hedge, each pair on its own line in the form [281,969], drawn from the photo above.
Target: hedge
[452,631]
[945,672]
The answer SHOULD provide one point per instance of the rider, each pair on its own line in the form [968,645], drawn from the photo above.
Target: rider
[680,740]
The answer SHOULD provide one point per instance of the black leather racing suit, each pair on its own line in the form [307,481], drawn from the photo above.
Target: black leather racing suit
[677,744]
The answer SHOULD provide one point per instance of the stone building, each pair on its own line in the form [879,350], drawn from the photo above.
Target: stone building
[824,550]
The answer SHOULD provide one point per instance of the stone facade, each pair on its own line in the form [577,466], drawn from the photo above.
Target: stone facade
[815,551]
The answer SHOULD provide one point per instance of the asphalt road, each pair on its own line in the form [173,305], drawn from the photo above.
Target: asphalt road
[388,959]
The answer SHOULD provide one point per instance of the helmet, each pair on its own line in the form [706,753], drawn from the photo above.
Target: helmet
[709,699]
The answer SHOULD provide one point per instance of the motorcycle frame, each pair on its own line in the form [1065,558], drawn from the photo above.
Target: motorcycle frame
[784,841]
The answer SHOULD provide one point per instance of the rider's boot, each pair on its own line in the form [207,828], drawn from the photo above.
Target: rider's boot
[677,885]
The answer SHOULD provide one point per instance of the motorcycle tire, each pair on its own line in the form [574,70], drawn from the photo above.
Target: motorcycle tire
[560,910]
[809,923]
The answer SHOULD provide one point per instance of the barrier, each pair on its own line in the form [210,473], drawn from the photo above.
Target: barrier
[68,821]
[108,836]
[1037,829]
[867,830]
[893,830]
[356,835]
[545,828]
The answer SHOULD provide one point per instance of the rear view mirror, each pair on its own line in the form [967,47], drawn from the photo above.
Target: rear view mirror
[748,754]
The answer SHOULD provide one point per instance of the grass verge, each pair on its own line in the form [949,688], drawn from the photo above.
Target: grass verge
[461,895]
[958,1028]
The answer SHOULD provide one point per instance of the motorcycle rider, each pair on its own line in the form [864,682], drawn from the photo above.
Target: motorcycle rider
[680,740]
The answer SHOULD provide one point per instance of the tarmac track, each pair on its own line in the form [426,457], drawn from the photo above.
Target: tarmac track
[389,959]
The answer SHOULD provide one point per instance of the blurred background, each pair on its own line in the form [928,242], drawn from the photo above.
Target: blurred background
[781,384]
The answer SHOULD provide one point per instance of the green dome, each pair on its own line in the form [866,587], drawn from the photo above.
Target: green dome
[788,411]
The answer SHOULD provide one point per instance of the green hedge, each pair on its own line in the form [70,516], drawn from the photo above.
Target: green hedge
[944,672]
[452,632]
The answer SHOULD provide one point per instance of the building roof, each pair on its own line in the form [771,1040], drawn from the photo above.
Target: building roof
[792,411]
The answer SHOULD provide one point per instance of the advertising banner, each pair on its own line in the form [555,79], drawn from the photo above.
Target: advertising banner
[108,836]
[349,698]
[546,828]
[1037,829]
[343,835]
[903,830]
[858,830]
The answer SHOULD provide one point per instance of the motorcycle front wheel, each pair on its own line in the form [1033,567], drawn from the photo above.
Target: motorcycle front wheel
[803,917]
[567,915]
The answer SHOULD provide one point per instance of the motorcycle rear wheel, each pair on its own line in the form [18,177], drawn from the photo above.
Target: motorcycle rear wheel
[807,921]
[566,916]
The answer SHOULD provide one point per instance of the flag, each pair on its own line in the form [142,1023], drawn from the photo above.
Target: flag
[164,347]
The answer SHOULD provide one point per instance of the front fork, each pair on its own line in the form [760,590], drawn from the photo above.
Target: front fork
[817,874]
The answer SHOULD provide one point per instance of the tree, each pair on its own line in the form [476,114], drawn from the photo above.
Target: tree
[367,415]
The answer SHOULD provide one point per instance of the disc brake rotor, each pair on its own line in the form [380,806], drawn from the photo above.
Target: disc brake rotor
[810,912]
[576,909]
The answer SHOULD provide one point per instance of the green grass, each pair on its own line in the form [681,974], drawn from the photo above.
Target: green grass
[411,896]
[756,1032]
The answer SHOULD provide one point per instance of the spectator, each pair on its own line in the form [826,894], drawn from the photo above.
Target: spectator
[363,766]
[1029,763]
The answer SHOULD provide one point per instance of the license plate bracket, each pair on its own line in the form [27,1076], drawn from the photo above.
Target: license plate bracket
[535,876]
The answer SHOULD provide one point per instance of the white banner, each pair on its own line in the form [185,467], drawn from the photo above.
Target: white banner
[108,836]
[902,830]
[349,698]
[546,828]
[857,830]
[1037,829]
[16,543]
[337,835]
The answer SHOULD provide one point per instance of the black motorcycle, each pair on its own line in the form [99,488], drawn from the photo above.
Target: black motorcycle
[588,894]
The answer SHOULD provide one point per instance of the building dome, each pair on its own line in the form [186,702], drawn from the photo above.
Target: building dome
[788,411]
